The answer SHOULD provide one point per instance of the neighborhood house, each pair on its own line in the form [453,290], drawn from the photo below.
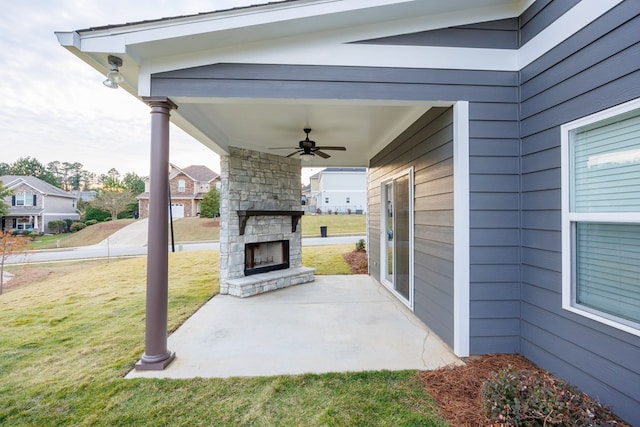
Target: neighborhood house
[188,186]
[34,203]
[337,190]
[500,137]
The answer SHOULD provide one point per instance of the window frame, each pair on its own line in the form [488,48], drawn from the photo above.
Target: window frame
[182,186]
[571,219]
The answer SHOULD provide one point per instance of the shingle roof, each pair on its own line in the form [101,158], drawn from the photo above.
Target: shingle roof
[168,18]
[38,184]
[200,173]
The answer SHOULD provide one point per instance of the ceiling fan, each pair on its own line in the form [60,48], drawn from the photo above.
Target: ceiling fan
[307,148]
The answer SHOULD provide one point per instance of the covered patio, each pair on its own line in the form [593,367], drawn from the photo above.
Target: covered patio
[335,324]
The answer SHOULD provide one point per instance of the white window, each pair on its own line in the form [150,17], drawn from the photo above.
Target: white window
[181,186]
[24,199]
[601,216]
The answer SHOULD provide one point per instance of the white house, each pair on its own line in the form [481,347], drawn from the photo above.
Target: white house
[338,190]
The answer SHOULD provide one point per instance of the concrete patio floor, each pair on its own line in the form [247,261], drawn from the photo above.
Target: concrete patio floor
[334,324]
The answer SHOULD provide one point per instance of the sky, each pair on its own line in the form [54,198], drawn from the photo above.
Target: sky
[55,106]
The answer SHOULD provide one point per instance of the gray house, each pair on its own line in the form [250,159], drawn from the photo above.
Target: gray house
[502,139]
[34,203]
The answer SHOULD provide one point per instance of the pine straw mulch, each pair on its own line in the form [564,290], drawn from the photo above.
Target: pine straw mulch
[358,261]
[457,389]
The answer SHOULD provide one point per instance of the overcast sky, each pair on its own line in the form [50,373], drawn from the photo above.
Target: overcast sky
[54,106]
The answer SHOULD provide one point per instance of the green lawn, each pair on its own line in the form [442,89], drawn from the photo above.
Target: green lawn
[336,224]
[68,340]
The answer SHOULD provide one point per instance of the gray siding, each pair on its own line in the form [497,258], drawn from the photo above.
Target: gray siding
[501,34]
[540,14]
[427,146]
[330,82]
[595,69]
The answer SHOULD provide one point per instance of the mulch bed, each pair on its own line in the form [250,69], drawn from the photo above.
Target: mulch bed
[358,261]
[457,389]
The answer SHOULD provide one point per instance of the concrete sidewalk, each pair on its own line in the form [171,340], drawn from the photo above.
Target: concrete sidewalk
[335,324]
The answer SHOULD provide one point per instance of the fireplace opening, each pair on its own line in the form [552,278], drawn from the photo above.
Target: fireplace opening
[262,257]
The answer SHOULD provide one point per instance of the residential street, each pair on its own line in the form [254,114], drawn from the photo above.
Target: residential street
[105,250]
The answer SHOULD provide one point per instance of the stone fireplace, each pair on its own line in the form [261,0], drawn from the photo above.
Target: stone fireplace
[260,240]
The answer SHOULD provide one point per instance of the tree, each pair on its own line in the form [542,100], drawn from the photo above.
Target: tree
[210,205]
[133,182]
[111,180]
[32,167]
[113,201]
[5,169]
[10,244]
[4,193]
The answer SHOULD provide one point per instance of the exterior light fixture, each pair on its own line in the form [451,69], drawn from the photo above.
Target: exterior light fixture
[114,78]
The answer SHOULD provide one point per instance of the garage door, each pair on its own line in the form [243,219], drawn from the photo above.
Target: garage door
[177,210]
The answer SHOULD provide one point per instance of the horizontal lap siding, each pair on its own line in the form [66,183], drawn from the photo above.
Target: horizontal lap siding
[595,69]
[494,186]
[427,146]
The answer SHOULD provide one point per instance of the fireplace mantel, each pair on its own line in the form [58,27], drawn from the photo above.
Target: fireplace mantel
[245,214]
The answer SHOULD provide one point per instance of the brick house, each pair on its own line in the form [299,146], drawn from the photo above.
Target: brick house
[34,203]
[188,187]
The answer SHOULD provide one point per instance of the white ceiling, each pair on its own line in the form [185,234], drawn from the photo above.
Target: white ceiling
[262,125]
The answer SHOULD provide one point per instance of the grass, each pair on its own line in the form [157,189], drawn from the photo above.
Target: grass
[196,229]
[68,340]
[327,259]
[336,224]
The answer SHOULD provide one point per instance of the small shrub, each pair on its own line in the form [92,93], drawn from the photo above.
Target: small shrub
[77,226]
[57,226]
[360,245]
[525,398]
[91,222]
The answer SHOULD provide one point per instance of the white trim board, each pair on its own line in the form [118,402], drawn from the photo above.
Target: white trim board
[461,258]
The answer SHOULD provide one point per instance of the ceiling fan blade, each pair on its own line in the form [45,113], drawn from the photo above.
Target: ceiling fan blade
[282,148]
[293,154]
[326,147]
[321,154]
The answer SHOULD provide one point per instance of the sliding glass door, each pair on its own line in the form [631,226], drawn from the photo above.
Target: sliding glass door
[397,236]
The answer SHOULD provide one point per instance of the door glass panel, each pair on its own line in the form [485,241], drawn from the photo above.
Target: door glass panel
[401,235]
[388,258]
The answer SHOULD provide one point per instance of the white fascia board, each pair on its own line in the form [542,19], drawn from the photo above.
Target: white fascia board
[578,17]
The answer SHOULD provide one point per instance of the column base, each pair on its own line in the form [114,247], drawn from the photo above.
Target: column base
[154,365]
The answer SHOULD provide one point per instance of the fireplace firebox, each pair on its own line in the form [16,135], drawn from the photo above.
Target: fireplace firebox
[261,257]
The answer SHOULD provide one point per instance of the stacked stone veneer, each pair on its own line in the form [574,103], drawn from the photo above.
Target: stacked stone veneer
[260,181]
